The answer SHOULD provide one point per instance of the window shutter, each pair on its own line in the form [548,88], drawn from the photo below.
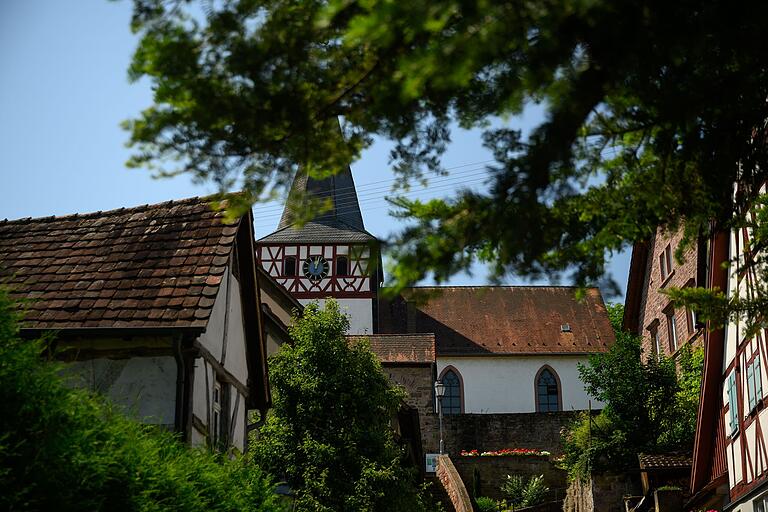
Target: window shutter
[750,389]
[733,406]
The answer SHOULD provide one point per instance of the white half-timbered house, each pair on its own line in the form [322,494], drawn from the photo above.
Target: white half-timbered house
[156,307]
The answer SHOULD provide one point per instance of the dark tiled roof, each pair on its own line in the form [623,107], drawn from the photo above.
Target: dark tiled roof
[664,461]
[402,348]
[339,188]
[477,320]
[149,266]
[328,230]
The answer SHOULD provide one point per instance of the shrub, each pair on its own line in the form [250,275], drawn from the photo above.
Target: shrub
[485,504]
[522,492]
[65,449]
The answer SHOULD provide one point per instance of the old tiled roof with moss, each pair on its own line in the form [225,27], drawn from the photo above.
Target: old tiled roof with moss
[152,266]
[499,320]
[401,348]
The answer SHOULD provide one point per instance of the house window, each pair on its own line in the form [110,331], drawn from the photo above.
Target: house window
[342,266]
[451,402]
[733,406]
[289,266]
[665,262]
[671,329]
[761,504]
[216,417]
[656,340]
[754,383]
[547,393]
[690,318]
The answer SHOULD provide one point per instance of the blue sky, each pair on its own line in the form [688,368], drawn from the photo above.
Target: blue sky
[64,91]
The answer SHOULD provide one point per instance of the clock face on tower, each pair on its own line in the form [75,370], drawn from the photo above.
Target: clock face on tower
[316,268]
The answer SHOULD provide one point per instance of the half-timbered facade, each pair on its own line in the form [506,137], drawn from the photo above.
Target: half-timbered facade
[330,256]
[744,415]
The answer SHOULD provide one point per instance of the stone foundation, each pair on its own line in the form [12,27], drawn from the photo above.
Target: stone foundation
[601,493]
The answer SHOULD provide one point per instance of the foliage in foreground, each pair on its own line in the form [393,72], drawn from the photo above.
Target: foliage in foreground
[650,407]
[329,432]
[64,449]
[652,111]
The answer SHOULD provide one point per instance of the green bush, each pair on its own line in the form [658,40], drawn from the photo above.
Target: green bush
[329,433]
[522,492]
[64,449]
[650,406]
[485,504]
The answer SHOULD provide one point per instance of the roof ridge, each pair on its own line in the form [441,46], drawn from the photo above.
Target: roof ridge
[114,211]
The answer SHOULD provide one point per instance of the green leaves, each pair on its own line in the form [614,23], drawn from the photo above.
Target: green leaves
[650,117]
[65,449]
[650,405]
[329,433]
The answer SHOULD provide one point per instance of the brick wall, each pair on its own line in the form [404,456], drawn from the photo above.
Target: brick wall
[491,472]
[453,485]
[486,432]
[654,303]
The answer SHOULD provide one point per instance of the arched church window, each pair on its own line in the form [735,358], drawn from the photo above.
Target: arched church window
[547,391]
[451,402]
[289,266]
[342,266]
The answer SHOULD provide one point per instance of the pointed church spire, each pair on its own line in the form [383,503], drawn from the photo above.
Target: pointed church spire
[339,188]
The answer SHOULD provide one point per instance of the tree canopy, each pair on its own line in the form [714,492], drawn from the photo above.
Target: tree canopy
[329,433]
[653,111]
[650,405]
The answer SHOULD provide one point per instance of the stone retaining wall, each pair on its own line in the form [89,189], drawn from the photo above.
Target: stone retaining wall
[601,493]
[540,430]
[493,471]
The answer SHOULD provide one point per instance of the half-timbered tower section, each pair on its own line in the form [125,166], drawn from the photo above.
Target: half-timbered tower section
[649,313]
[156,307]
[332,255]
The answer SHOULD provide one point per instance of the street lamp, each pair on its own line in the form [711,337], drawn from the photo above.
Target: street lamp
[439,393]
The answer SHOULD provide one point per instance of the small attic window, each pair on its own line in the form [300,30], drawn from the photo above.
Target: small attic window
[565,328]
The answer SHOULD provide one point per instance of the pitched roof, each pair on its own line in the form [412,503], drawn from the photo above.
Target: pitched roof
[664,461]
[497,320]
[401,348]
[151,266]
[343,222]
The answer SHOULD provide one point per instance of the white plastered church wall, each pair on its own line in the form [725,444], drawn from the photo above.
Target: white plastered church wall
[506,384]
[359,312]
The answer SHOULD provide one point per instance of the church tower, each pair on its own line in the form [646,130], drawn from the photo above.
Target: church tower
[330,256]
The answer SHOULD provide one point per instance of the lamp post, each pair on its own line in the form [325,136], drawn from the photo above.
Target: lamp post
[439,393]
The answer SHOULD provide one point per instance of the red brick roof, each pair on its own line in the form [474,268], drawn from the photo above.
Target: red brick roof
[149,266]
[402,348]
[488,320]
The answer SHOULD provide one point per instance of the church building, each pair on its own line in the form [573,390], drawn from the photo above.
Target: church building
[498,349]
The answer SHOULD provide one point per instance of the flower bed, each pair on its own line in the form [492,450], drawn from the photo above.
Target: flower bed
[506,452]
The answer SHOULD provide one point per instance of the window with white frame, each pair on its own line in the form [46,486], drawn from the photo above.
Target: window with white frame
[733,405]
[760,504]
[671,329]
[754,383]
[216,416]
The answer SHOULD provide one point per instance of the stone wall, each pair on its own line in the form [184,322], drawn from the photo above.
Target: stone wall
[493,471]
[601,493]
[485,432]
[418,381]
[453,485]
